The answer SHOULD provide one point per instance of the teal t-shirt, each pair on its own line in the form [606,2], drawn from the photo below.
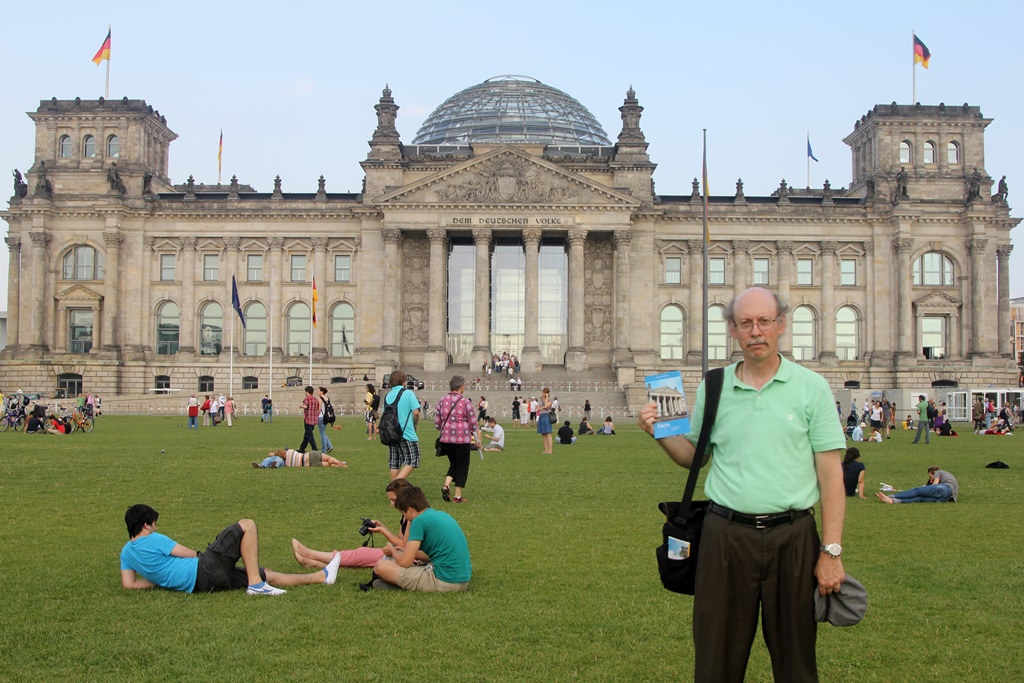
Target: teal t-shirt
[408,404]
[150,556]
[442,540]
[763,442]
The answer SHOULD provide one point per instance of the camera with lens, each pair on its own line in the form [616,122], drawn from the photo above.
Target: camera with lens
[367,525]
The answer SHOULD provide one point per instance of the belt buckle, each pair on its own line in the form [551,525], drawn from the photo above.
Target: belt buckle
[760,521]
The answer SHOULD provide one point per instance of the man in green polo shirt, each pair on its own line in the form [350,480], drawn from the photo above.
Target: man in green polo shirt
[760,550]
[923,423]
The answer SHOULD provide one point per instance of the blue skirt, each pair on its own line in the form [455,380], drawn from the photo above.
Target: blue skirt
[544,423]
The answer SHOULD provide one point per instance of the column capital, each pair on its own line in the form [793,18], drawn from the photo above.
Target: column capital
[275,243]
[784,246]
[481,236]
[391,235]
[829,247]
[695,246]
[188,243]
[232,243]
[622,238]
[976,245]
[531,236]
[577,236]
[147,241]
[869,248]
[13,244]
[113,239]
[319,243]
[39,239]
[741,246]
[437,235]
[902,245]
[1004,251]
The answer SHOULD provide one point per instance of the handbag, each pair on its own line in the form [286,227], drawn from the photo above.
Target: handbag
[438,449]
[684,520]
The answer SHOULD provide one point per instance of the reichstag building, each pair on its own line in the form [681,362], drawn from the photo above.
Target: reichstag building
[512,222]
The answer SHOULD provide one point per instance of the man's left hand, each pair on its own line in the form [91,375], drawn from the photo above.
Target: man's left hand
[830,574]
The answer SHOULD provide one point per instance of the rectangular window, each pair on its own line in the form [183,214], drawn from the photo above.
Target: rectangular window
[211,267]
[848,274]
[298,262]
[933,336]
[80,332]
[805,271]
[673,270]
[167,267]
[254,268]
[761,272]
[342,268]
[716,271]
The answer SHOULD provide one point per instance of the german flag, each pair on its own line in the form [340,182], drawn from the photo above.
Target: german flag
[103,52]
[921,53]
[316,297]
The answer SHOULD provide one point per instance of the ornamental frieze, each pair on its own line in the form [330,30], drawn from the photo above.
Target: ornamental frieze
[510,180]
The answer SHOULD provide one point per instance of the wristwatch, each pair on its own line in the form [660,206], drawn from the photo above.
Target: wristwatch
[832,549]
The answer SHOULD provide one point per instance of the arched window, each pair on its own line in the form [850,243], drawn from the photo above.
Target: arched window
[933,269]
[847,334]
[297,330]
[211,329]
[64,147]
[162,384]
[206,384]
[83,263]
[906,154]
[343,328]
[89,146]
[803,333]
[718,333]
[671,333]
[113,146]
[255,329]
[952,153]
[929,152]
[168,327]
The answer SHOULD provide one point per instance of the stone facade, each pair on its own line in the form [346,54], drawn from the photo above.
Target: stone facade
[900,280]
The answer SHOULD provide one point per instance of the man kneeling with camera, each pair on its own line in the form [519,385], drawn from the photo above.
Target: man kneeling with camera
[436,538]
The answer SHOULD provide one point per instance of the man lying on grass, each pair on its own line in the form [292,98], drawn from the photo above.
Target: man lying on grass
[165,564]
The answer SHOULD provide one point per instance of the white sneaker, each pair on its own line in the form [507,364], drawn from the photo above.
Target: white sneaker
[332,570]
[264,588]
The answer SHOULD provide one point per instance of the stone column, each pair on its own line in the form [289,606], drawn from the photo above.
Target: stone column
[187,258]
[1003,296]
[231,254]
[275,319]
[530,360]
[40,240]
[481,352]
[622,239]
[740,266]
[827,350]
[13,290]
[979,344]
[785,251]
[695,319]
[392,280]
[576,354]
[436,357]
[866,331]
[904,307]
[110,335]
[323,322]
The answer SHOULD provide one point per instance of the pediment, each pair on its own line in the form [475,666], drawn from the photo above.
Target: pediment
[506,176]
[79,295]
[937,300]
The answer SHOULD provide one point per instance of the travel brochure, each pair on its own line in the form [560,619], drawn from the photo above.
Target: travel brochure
[666,389]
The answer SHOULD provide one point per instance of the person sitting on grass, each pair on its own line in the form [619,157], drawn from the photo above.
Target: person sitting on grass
[496,433]
[152,560]
[287,457]
[609,427]
[942,487]
[876,435]
[858,432]
[999,428]
[434,537]
[35,425]
[359,557]
[565,437]
[853,473]
[585,427]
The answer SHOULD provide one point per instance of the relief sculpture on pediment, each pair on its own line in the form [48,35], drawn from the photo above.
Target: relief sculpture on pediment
[415,289]
[509,180]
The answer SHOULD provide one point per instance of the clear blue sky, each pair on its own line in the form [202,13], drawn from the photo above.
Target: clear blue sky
[293,85]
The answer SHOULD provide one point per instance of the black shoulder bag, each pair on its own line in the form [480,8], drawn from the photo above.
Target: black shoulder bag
[677,555]
[437,442]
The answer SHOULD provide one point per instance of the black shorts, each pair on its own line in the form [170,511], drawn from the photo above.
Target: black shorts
[877,424]
[217,570]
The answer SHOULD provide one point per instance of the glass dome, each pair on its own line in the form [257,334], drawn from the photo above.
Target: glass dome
[511,109]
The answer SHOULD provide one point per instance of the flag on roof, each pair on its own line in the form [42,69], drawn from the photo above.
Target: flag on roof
[921,53]
[809,152]
[104,51]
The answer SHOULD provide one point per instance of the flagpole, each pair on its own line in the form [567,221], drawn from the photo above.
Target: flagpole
[270,337]
[312,317]
[707,247]
[913,67]
[106,88]
[231,363]
[808,160]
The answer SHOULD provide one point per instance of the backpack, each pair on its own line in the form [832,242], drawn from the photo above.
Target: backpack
[375,403]
[329,415]
[389,429]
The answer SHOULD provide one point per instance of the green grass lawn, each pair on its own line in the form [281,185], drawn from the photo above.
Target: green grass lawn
[564,581]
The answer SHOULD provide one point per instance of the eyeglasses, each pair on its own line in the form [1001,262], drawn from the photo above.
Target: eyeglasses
[764,324]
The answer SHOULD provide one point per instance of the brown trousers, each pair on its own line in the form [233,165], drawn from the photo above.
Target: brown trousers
[742,571]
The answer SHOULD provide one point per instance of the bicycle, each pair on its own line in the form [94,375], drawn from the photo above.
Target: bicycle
[82,421]
[12,420]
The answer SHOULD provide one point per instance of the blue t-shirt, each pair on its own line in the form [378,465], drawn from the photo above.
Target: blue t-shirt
[150,556]
[442,540]
[408,404]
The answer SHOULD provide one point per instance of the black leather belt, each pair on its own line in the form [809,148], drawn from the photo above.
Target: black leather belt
[758,521]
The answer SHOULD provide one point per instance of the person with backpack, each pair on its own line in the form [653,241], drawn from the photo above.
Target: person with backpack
[372,402]
[310,416]
[326,418]
[397,427]
[205,408]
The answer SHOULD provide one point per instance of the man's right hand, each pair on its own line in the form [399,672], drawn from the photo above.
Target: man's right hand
[648,416]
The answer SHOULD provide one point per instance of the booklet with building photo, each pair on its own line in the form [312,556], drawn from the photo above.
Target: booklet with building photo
[666,389]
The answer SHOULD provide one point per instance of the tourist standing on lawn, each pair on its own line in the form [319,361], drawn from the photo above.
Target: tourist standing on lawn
[325,442]
[924,424]
[454,418]
[372,405]
[760,552]
[229,409]
[310,416]
[268,407]
[404,457]
[193,412]
[544,421]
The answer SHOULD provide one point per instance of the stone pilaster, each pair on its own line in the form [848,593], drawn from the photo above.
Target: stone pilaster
[37,334]
[530,361]
[979,343]
[323,322]
[230,270]
[436,357]
[740,266]
[695,319]
[392,279]
[904,307]
[623,240]
[1003,296]
[827,350]
[275,319]
[785,252]
[110,329]
[187,259]
[576,354]
[13,291]
[481,352]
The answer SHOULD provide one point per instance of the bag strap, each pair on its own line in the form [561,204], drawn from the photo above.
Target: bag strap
[454,406]
[395,403]
[712,392]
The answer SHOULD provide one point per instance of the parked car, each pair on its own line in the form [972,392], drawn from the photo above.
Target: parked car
[410,383]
